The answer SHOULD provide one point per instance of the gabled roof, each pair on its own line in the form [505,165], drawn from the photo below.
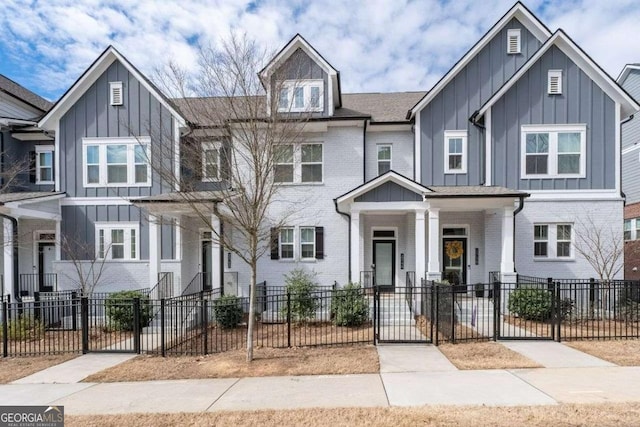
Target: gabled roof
[299,42]
[626,71]
[390,176]
[99,66]
[382,107]
[518,11]
[583,61]
[23,94]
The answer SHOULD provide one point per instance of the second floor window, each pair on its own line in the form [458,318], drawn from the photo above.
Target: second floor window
[301,163]
[455,149]
[116,162]
[44,164]
[210,161]
[117,241]
[298,96]
[554,151]
[384,158]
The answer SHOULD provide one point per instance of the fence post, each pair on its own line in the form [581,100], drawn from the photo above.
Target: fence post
[205,326]
[162,349]
[431,312]
[592,297]
[74,311]
[136,325]
[496,310]
[5,329]
[558,312]
[453,314]
[36,306]
[288,319]
[436,290]
[84,314]
[376,304]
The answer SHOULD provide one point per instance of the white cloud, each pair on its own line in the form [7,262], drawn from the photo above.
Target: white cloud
[378,45]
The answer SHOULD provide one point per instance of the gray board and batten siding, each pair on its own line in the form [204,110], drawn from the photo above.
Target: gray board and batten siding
[582,102]
[632,84]
[389,192]
[460,98]
[93,116]
[301,66]
[18,152]
[630,138]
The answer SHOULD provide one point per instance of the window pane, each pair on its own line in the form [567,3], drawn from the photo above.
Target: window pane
[286,251]
[384,167]
[455,145]
[116,154]
[93,155]
[569,142]
[284,154]
[536,164]
[384,152]
[564,232]
[307,235]
[455,162]
[283,173]
[283,101]
[133,243]
[637,224]
[141,173]
[540,232]
[540,249]
[117,236]
[101,244]
[286,235]
[315,96]
[569,163]
[117,174]
[45,159]
[564,249]
[311,173]
[311,153]
[45,174]
[140,154]
[298,97]
[117,251]
[308,251]
[93,174]
[537,143]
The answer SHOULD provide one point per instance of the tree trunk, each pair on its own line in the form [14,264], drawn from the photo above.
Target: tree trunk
[252,315]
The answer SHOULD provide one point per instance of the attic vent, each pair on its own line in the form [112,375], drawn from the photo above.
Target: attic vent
[554,82]
[513,41]
[115,90]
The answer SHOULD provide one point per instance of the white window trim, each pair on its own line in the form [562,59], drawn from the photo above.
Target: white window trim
[552,242]
[297,164]
[631,230]
[127,227]
[208,146]
[306,85]
[378,160]
[292,243]
[113,86]
[554,74]
[552,166]
[455,134]
[300,243]
[44,149]
[514,32]
[102,143]
[540,241]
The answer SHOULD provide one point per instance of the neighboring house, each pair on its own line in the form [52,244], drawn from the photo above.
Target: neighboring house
[629,79]
[496,169]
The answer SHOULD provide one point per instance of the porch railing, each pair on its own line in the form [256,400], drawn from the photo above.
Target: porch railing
[31,283]
[200,282]
[164,287]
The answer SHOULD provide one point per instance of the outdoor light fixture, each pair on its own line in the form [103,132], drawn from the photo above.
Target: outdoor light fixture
[401,261]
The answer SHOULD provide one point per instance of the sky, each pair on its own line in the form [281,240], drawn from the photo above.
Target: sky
[377,45]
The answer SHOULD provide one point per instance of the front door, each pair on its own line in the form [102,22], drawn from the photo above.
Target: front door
[46,256]
[454,262]
[384,258]
[207,249]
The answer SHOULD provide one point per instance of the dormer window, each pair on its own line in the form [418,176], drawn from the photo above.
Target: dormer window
[115,92]
[301,96]
[513,41]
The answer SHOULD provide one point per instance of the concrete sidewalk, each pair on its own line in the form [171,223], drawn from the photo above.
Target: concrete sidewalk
[551,354]
[75,370]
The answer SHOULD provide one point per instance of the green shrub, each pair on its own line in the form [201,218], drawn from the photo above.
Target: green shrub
[349,306]
[301,285]
[531,304]
[24,328]
[228,311]
[630,311]
[566,308]
[119,309]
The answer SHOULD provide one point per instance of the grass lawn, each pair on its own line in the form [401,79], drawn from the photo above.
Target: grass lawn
[485,355]
[13,368]
[620,352]
[623,414]
[231,364]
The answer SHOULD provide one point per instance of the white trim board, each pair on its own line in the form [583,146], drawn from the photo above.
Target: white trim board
[97,201]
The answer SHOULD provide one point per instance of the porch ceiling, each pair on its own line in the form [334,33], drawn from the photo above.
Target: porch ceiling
[177,204]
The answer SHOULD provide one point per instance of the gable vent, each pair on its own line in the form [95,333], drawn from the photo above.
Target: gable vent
[513,41]
[115,90]
[554,82]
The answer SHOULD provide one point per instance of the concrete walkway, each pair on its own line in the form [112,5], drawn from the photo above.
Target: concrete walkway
[551,354]
[75,370]
[412,358]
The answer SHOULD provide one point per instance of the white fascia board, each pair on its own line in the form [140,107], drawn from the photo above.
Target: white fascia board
[389,176]
[30,213]
[94,201]
[298,42]
[417,151]
[519,12]
[560,195]
[625,72]
[19,203]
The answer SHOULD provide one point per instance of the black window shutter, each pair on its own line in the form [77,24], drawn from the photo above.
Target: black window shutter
[319,242]
[274,244]
[32,167]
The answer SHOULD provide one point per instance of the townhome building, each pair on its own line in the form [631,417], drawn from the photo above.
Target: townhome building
[498,169]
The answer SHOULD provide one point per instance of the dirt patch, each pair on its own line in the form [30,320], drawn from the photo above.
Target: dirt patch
[232,364]
[54,342]
[12,368]
[623,352]
[485,355]
[579,329]
[451,416]
[460,332]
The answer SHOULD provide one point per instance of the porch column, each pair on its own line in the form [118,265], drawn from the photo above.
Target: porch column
[216,258]
[155,249]
[420,245]
[434,272]
[355,246]
[7,228]
[507,268]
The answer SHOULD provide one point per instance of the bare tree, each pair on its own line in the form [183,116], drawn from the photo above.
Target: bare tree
[225,100]
[601,246]
[88,266]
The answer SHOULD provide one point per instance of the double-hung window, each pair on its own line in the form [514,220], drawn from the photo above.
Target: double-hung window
[116,162]
[540,240]
[300,243]
[300,163]
[307,242]
[211,161]
[455,151]
[553,151]
[563,240]
[117,241]
[299,96]
[44,164]
[286,243]
[384,158]
[552,241]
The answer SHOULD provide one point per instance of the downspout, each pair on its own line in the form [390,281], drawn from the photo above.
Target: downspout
[483,171]
[364,153]
[335,202]
[14,222]
[619,178]
[221,260]
[516,212]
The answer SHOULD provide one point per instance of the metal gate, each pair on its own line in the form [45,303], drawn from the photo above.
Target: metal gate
[399,316]
[110,325]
